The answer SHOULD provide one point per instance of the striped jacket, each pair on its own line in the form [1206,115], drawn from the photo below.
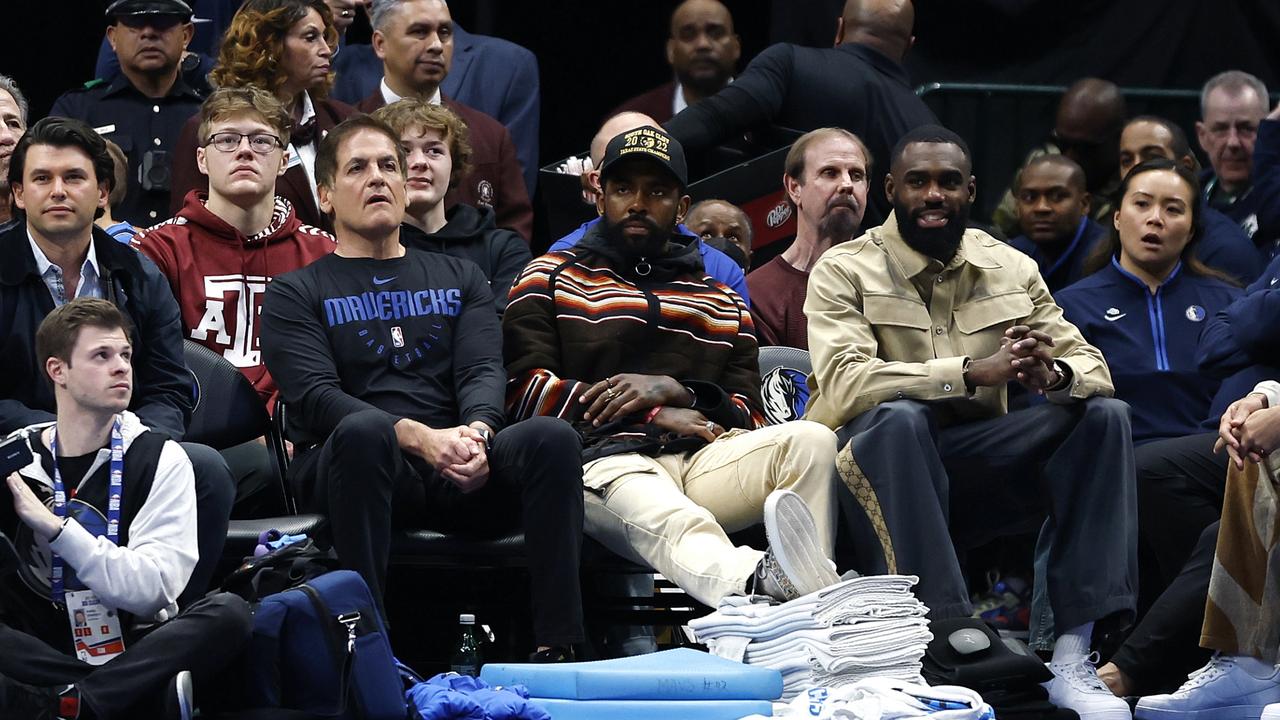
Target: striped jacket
[578,316]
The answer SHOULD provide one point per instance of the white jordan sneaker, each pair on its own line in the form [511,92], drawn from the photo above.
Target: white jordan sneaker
[1076,686]
[1230,687]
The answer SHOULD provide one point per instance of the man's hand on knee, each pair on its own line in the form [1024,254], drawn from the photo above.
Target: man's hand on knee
[1231,426]
[687,422]
[440,448]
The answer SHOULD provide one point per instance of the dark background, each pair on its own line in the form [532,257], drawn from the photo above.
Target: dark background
[593,55]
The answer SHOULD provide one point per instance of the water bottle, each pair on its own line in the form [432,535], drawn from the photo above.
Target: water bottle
[466,659]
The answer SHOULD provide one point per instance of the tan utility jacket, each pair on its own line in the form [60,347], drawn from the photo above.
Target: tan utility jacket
[887,322]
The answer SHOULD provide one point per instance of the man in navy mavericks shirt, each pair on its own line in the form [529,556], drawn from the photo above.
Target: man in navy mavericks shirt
[390,361]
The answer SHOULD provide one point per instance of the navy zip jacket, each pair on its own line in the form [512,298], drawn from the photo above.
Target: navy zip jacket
[1256,210]
[1240,343]
[1069,266]
[1150,342]
[162,391]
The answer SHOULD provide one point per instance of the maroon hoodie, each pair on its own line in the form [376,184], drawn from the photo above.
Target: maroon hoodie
[219,276]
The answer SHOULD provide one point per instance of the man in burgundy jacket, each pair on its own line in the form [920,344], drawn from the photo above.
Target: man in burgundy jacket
[703,51]
[414,38]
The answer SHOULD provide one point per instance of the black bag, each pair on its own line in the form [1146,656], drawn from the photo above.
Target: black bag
[279,570]
[1008,680]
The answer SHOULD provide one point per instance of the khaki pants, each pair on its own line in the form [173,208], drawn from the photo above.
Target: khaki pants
[1242,616]
[672,512]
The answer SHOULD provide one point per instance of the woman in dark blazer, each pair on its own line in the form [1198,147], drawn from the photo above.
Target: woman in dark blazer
[284,47]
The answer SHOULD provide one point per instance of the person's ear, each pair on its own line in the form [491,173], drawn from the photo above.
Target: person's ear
[1085,203]
[379,42]
[599,197]
[325,202]
[682,208]
[202,163]
[1115,219]
[973,189]
[111,36]
[104,192]
[792,187]
[17,196]
[1202,134]
[839,30]
[56,369]
[888,187]
[671,51]
[188,32]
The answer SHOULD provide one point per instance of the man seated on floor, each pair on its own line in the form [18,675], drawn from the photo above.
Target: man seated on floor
[825,179]
[655,364]
[61,174]
[437,148]
[915,330]
[718,265]
[390,360]
[1053,215]
[223,247]
[102,543]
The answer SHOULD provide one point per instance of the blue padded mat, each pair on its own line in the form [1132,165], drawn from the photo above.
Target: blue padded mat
[680,674]
[650,709]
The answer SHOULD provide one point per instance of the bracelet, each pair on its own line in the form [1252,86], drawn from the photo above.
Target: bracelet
[693,401]
[653,413]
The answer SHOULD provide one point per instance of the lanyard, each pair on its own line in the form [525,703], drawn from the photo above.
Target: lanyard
[114,495]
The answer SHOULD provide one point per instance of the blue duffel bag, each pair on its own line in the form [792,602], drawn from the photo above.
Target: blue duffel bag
[321,648]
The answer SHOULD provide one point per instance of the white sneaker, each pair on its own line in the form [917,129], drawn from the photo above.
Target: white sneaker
[794,564]
[1076,686]
[1271,712]
[1228,688]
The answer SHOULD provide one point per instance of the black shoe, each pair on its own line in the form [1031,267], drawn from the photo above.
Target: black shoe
[553,654]
[179,701]
[19,701]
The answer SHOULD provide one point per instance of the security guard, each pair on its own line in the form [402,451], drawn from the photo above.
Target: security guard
[144,107]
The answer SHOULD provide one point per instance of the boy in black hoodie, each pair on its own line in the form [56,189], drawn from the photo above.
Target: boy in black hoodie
[437,147]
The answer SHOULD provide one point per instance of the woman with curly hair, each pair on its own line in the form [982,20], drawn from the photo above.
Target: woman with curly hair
[284,47]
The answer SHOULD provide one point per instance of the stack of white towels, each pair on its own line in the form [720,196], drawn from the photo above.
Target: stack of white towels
[865,627]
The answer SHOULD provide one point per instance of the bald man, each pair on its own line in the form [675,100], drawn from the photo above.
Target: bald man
[717,264]
[1086,129]
[859,85]
[703,51]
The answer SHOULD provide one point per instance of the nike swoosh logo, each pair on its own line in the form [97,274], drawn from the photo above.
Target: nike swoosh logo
[380,281]
[1274,280]
[1113,318]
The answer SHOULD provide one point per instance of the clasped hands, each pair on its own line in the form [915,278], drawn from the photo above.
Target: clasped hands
[1024,355]
[632,393]
[1248,430]
[457,453]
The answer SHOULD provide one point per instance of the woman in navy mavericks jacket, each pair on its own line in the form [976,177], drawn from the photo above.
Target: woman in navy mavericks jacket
[1148,300]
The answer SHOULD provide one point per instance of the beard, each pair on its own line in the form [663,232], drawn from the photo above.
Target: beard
[838,226]
[636,247]
[938,243]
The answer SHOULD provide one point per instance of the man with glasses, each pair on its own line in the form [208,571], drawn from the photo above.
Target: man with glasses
[222,249]
[1086,129]
[1233,105]
[143,108]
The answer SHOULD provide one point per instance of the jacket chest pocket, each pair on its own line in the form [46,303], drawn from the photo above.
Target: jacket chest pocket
[901,324]
[982,322]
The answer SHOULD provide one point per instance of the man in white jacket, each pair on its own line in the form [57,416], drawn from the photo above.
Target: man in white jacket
[99,529]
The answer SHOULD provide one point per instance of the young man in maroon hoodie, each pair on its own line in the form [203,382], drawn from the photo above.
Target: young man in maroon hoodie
[222,249]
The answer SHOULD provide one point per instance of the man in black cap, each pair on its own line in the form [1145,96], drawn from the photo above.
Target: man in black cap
[144,107]
[655,364]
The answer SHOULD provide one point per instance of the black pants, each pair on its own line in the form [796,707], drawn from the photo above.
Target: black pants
[1180,486]
[959,486]
[364,483]
[202,639]
[215,493]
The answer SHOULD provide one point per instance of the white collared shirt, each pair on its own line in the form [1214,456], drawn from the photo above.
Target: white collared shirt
[389,96]
[89,285]
[307,153]
[678,102]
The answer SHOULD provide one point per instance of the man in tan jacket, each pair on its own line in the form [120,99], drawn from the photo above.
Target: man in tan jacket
[915,330]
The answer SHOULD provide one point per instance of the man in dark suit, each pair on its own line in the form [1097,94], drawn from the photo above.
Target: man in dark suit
[703,51]
[859,85]
[415,40]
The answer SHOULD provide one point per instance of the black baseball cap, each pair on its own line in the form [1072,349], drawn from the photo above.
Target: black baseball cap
[650,143]
[128,8]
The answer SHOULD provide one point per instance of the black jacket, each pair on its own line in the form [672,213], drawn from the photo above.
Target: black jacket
[162,395]
[471,234]
[850,86]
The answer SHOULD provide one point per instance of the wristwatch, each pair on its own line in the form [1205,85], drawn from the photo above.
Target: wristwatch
[487,434]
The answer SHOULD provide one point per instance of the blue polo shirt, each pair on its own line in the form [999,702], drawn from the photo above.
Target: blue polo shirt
[1150,342]
[717,264]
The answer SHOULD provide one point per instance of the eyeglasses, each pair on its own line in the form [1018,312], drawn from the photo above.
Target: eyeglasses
[261,143]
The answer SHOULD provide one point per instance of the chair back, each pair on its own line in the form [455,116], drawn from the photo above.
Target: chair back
[784,382]
[227,409]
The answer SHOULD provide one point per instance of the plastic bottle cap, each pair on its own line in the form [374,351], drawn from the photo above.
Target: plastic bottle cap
[467,619]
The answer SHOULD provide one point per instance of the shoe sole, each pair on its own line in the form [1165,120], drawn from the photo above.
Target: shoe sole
[182,697]
[1234,712]
[800,556]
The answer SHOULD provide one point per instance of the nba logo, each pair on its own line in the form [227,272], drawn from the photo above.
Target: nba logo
[397,336]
